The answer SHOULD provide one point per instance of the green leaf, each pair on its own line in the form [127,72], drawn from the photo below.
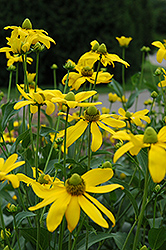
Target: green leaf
[120,238]
[93,239]
[156,237]
[133,201]
[30,234]
[19,138]
[46,130]
[23,215]
[116,87]
[143,159]
[131,99]
[7,111]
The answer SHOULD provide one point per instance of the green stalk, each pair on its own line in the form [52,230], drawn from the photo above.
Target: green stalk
[54,77]
[16,230]
[89,146]
[140,217]
[25,86]
[37,143]
[154,211]
[66,83]
[9,87]
[37,70]
[123,70]
[78,231]
[163,94]
[128,236]
[3,227]
[61,233]
[65,137]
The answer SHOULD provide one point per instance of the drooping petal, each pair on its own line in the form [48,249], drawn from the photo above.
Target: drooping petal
[122,112]
[23,93]
[77,83]
[106,128]
[75,132]
[113,122]
[43,203]
[160,55]
[162,134]
[21,104]
[97,176]
[157,159]
[102,208]
[92,211]
[56,211]
[33,109]
[13,179]
[84,95]
[1,164]
[96,137]
[103,189]
[50,107]
[73,213]
[122,150]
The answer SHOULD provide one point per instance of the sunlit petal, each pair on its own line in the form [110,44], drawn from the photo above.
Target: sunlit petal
[96,137]
[73,217]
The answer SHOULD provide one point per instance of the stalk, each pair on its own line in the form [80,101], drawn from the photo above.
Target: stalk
[65,137]
[123,70]
[37,70]
[9,87]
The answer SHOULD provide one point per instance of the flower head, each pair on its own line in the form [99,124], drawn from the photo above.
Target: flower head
[157,149]
[70,197]
[7,166]
[161,53]
[124,41]
[99,51]
[112,97]
[95,120]
[35,99]
[133,117]
[85,73]
[74,100]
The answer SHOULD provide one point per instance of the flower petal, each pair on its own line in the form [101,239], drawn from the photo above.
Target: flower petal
[97,176]
[96,137]
[50,107]
[103,189]
[73,218]
[13,179]
[106,128]
[102,208]
[56,211]
[122,150]
[92,211]
[157,168]
[84,95]
[21,104]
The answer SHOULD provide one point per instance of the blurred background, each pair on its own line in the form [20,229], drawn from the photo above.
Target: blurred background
[74,24]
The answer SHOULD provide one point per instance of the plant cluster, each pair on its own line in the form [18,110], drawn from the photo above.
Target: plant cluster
[75,175]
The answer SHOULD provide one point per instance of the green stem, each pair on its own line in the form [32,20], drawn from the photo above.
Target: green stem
[61,233]
[128,236]
[89,146]
[123,70]
[78,231]
[65,140]
[142,69]
[37,70]
[66,83]
[3,227]
[16,230]
[9,87]
[163,94]
[140,217]
[37,143]
[154,211]
[54,77]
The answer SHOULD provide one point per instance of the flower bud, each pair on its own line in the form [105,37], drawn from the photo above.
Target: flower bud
[70,96]
[122,176]
[145,49]
[12,208]
[157,188]
[102,49]
[95,45]
[11,68]
[144,248]
[54,66]
[92,110]
[150,135]
[44,179]
[158,71]
[96,97]
[27,24]
[106,164]
[38,47]
[69,65]
[154,94]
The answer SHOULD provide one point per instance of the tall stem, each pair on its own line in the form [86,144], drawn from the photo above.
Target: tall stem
[37,143]
[140,218]
[37,70]
[123,70]
[9,87]
[65,140]
[89,146]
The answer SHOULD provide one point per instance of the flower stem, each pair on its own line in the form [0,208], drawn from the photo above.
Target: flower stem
[89,146]
[65,149]
[66,83]
[123,70]
[37,70]
[54,77]
[140,217]
[9,87]
[154,211]
[128,236]
[16,230]
[37,143]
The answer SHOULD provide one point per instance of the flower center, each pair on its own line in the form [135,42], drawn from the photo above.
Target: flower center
[70,96]
[75,185]
[87,71]
[150,135]
[92,114]
[128,114]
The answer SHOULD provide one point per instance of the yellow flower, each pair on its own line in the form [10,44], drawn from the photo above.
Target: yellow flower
[96,121]
[15,58]
[8,137]
[163,83]
[42,97]
[133,117]
[85,73]
[69,198]
[105,110]
[161,53]
[122,99]
[7,166]
[124,41]
[97,52]
[112,97]
[72,100]
[156,153]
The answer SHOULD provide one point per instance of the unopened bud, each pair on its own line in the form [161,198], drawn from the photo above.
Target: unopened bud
[157,188]
[122,176]
[158,71]
[145,49]
[154,94]
[102,49]
[54,66]
[11,68]
[69,65]
[150,135]
[12,208]
[38,47]
[106,164]
[27,24]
